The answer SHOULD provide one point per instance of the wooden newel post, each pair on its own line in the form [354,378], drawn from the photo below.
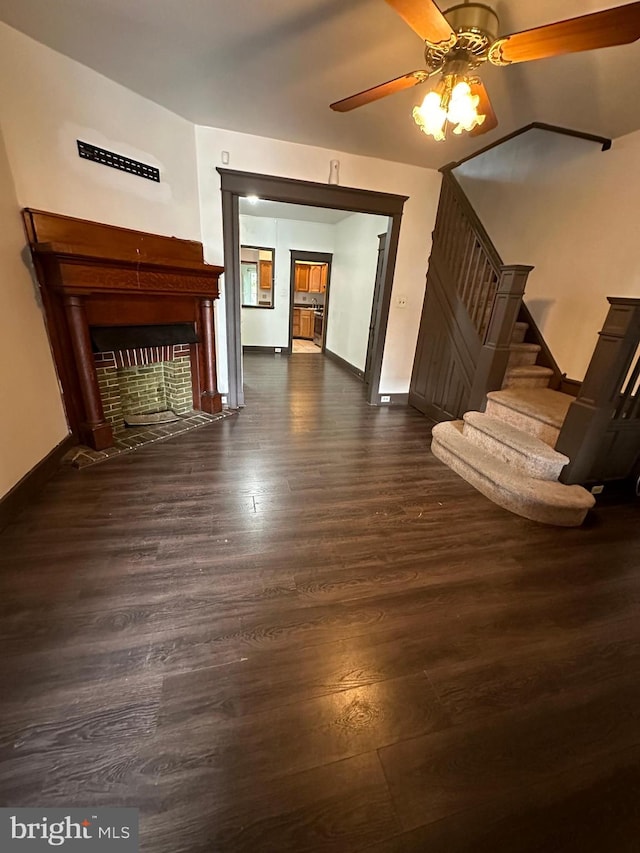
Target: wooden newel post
[211,400]
[494,355]
[94,431]
[589,417]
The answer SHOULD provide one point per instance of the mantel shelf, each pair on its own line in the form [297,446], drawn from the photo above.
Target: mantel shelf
[66,251]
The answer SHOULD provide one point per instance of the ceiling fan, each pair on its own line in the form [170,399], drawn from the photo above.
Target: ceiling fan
[460,39]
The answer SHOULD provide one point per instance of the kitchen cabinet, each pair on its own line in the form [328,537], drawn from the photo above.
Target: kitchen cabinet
[302,277]
[266,275]
[318,278]
[303,319]
[311,278]
[306,324]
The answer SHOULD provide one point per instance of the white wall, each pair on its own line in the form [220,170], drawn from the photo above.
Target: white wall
[32,421]
[47,101]
[571,210]
[311,163]
[270,327]
[353,275]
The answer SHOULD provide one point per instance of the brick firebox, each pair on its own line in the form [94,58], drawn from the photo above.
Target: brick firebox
[144,381]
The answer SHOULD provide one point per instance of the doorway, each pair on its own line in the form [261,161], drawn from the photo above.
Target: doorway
[236,184]
[310,281]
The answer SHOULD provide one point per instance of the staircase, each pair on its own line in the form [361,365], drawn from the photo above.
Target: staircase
[507,452]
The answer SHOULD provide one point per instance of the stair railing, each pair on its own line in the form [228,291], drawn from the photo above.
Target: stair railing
[601,433]
[490,290]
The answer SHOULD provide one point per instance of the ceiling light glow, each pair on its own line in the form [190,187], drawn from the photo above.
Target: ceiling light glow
[450,103]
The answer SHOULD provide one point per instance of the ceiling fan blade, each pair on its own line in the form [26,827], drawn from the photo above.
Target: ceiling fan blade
[484,108]
[424,17]
[381,91]
[610,27]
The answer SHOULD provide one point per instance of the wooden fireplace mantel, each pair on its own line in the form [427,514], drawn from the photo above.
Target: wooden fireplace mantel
[91,274]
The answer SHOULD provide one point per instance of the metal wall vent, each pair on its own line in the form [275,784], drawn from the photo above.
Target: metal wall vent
[117,161]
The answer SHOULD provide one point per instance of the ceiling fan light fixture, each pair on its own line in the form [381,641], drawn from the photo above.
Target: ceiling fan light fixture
[431,116]
[450,103]
[458,40]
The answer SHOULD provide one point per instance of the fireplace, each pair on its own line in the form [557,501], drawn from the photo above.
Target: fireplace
[144,386]
[130,319]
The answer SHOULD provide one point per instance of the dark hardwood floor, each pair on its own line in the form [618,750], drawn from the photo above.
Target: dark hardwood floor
[295,630]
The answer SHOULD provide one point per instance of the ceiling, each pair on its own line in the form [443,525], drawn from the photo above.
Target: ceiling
[271,67]
[298,212]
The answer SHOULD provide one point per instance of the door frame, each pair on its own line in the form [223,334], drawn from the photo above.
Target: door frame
[382,242]
[234,184]
[321,258]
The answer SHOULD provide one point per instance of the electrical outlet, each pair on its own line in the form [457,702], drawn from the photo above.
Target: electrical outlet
[401,301]
[385,398]
[278,349]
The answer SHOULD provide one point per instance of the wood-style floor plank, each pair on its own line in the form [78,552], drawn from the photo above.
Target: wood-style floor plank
[592,807]
[440,774]
[296,630]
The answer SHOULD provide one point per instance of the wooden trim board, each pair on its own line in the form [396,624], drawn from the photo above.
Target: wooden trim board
[26,489]
[342,362]
[394,399]
[603,141]
[267,350]
[234,184]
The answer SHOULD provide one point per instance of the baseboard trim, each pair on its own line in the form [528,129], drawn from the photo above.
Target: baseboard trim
[267,350]
[344,363]
[394,400]
[28,487]
[570,386]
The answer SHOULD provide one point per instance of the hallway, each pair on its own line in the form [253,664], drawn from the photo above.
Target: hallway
[296,630]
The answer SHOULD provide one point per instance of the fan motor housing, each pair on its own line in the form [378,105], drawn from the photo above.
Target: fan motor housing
[473,18]
[476,28]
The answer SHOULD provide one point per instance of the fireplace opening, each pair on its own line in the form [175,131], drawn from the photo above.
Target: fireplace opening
[144,374]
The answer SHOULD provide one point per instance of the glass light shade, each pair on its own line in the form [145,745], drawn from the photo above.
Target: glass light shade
[463,108]
[450,102]
[430,116]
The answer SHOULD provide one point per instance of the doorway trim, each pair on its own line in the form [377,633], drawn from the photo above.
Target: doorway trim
[382,242]
[234,184]
[321,258]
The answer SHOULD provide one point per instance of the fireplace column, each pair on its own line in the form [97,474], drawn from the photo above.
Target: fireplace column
[95,431]
[211,401]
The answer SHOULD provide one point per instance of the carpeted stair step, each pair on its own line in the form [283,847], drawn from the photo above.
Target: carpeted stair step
[518,449]
[537,411]
[540,500]
[527,376]
[519,332]
[522,354]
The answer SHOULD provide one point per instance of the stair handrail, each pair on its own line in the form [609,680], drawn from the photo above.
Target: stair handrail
[608,403]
